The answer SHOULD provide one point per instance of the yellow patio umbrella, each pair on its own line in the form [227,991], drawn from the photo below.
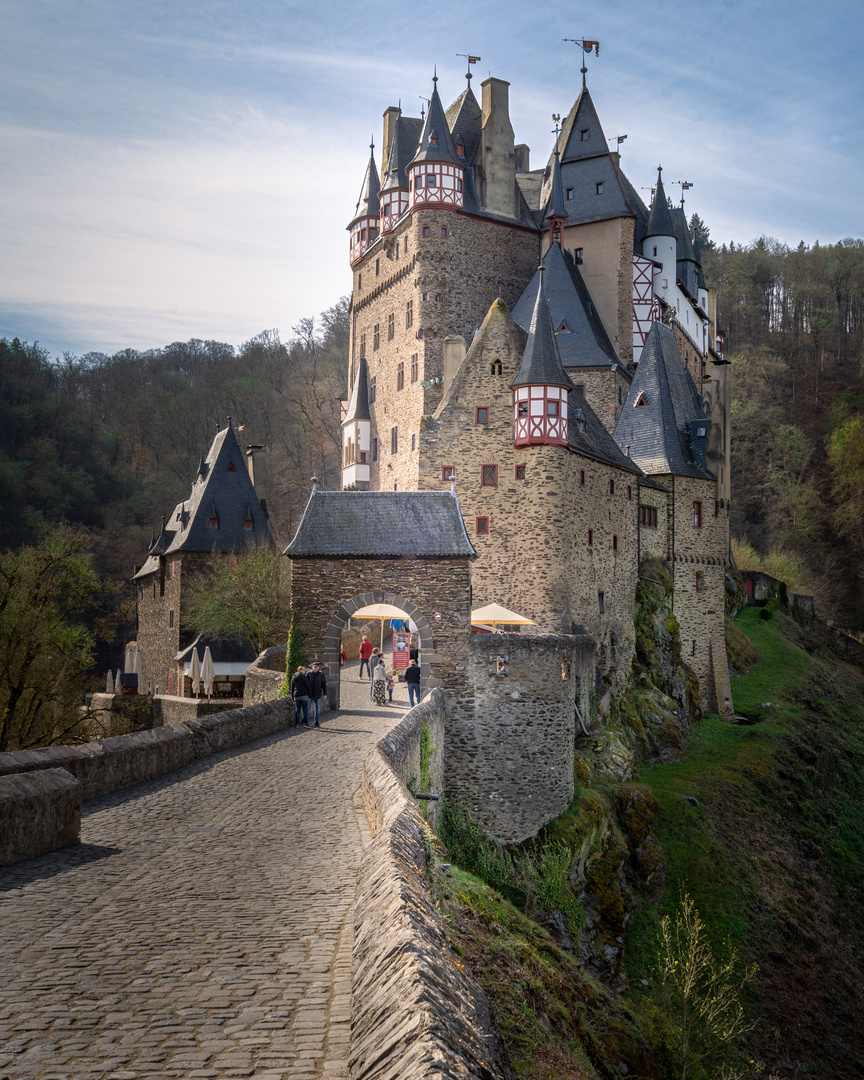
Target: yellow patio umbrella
[493,614]
[382,612]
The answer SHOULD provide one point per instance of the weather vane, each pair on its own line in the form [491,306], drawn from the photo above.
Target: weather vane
[471,60]
[685,186]
[586,47]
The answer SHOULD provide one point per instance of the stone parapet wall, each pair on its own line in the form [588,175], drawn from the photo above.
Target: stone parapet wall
[39,812]
[414,1012]
[264,677]
[120,762]
[119,714]
[177,710]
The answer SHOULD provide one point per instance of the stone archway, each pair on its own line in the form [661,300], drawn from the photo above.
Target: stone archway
[330,652]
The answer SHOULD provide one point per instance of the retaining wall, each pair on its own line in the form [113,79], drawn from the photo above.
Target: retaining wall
[39,812]
[414,1012]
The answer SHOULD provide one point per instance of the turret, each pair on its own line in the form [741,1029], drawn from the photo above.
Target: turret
[394,190]
[357,433]
[366,222]
[541,388]
[660,244]
[436,171]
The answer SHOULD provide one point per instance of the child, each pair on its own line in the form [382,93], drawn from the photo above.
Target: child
[390,688]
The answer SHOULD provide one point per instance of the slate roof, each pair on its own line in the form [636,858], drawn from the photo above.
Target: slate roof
[660,220]
[666,435]
[465,118]
[587,436]
[585,343]
[222,490]
[555,207]
[406,135]
[358,406]
[223,650]
[687,268]
[369,524]
[367,204]
[436,126]
[541,361]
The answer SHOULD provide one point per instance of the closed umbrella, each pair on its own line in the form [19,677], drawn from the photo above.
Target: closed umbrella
[207,673]
[118,682]
[109,684]
[137,668]
[195,672]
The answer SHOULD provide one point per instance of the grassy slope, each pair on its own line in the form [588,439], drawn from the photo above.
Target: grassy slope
[774,853]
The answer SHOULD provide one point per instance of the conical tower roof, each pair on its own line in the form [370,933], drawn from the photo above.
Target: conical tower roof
[367,204]
[358,406]
[406,134]
[436,143]
[541,361]
[660,220]
[582,134]
[465,118]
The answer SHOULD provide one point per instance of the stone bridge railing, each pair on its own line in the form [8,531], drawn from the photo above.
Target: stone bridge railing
[414,1011]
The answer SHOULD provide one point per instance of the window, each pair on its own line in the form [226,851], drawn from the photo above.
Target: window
[460,149]
[611,487]
[425,230]
[578,255]
[590,538]
[448,472]
[700,581]
[438,298]
[584,134]
[433,140]
[154,590]
[648,515]
[394,440]
[173,567]
[481,415]
[376,337]
[413,441]
[214,524]
[400,375]
[359,282]
[391,326]
[171,619]
[601,602]
[373,389]
[522,408]
[614,542]
[582,477]
[630,492]
[443,232]
[247,523]
[598,187]
[619,395]
[489,476]
[568,194]
[374,449]
[431,180]
[230,468]
[496,367]
[640,401]
[553,408]
[409,314]
[697,515]
[362,344]
[520,472]
[377,267]
[482,526]
[415,367]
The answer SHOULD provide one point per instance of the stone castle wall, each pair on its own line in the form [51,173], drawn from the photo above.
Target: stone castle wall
[655,541]
[509,740]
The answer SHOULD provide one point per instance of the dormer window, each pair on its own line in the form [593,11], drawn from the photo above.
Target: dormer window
[640,401]
[584,135]
[460,149]
[214,523]
[568,193]
[598,187]
[247,524]
[563,328]
[230,468]
[433,139]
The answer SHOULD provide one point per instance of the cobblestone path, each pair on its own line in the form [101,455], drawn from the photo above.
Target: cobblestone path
[203,927]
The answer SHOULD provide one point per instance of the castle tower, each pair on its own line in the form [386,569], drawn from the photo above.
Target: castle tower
[436,172]
[394,190]
[356,434]
[365,224]
[660,243]
[556,213]
[541,387]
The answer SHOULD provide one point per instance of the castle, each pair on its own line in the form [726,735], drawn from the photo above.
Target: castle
[546,344]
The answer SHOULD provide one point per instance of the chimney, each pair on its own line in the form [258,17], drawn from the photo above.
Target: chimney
[497,151]
[522,153]
[257,466]
[391,115]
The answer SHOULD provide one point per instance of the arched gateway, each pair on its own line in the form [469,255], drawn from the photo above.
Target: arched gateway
[409,549]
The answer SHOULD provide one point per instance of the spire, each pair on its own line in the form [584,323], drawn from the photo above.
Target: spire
[556,214]
[367,204]
[394,177]
[541,361]
[660,220]
[436,143]
[358,406]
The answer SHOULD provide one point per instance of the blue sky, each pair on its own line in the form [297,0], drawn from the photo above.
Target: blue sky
[186,168]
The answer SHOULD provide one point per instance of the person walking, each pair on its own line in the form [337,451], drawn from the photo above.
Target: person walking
[301,691]
[318,690]
[412,680]
[376,656]
[379,683]
[365,653]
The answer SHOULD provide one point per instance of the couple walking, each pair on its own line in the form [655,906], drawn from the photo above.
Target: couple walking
[308,684]
[382,684]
